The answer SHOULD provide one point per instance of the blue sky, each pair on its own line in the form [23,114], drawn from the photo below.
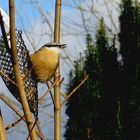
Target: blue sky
[26,10]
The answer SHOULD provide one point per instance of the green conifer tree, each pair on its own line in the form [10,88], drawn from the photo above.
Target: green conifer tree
[130,49]
[74,127]
[106,121]
[80,106]
[93,108]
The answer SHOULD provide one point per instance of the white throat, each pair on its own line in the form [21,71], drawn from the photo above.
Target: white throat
[55,49]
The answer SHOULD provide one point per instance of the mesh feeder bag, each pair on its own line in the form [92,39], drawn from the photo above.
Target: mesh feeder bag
[7,73]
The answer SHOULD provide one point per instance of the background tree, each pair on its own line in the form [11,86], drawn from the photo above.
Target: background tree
[129,48]
[80,107]
[73,105]
[97,101]
[106,122]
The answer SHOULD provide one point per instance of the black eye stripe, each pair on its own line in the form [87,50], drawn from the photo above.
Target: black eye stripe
[53,45]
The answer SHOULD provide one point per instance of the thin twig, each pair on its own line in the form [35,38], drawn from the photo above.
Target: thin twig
[32,129]
[63,94]
[39,129]
[51,93]
[74,90]
[43,96]
[17,112]
[4,75]
[2,129]
[13,124]
[21,117]
[61,81]
[40,9]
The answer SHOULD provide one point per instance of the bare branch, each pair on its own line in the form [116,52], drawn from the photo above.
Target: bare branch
[17,112]
[51,94]
[13,124]
[74,90]
[57,109]
[44,16]
[46,93]
[4,75]
[24,102]
[2,129]
[39,129]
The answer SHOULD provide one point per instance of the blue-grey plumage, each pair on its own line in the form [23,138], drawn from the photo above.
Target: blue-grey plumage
[45,61]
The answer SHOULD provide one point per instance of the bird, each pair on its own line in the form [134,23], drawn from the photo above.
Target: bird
[45,61]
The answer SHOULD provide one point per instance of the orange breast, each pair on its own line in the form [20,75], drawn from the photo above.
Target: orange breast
[44,63]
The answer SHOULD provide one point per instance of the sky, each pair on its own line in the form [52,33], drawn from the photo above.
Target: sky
[27,10]
[36,32]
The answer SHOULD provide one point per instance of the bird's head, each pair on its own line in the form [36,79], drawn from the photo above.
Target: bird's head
[54,46]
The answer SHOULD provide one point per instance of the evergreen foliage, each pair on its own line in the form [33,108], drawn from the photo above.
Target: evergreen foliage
[106,122]
[88,107]
[107,106]
[130,83]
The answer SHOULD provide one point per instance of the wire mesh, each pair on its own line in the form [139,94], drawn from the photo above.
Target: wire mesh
[25,65]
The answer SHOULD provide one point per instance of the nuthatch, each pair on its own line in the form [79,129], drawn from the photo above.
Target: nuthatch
[45,61]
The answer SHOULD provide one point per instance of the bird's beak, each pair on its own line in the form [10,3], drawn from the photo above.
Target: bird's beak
[62,46]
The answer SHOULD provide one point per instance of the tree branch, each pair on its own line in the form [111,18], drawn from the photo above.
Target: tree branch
[24,102]
[2,129]
[74,90]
